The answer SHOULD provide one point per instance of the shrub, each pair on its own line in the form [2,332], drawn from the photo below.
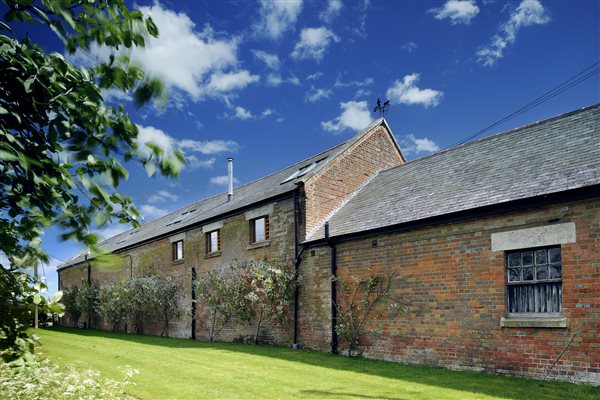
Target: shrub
[43,380]
[162,296]
[69,300]
[225,294]
[88,304]
[358,298]
[19,294]
[271,288]
[113,305]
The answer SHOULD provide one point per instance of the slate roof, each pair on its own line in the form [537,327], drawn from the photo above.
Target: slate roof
[212,207]
[549,156]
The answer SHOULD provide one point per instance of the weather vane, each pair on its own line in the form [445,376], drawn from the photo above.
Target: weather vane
[382,109]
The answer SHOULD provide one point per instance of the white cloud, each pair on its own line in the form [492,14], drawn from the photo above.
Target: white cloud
[270,60]
[226,82]
[267,112]
[294,80]
[406,92]
[162,196]
[333,10]
[355,115]
[458,11]
[112,230]
[151,212]
[181,56]
[365,82]
[362,93]
[194,162]
[315,76]
[209,146]
[413,145]
[409,47]
[242,113]
[361,30]
[276,80]
[314,95]
[314,43]
[277,16]
[529,12]
[222,180]
[115,95]
[149,134]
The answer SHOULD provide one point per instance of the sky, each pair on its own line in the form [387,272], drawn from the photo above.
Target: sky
[271,83]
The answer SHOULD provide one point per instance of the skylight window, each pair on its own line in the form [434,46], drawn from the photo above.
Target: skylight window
[303,171]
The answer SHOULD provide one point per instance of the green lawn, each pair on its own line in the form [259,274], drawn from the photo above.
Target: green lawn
[182,369]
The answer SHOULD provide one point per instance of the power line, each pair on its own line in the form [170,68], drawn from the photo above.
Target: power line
[566,85]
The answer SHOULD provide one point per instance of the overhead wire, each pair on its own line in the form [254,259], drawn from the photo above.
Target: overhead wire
[566,85]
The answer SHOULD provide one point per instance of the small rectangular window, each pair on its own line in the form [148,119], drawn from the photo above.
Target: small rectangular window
[259,229]
[177,250]
[213,241]
[534,280]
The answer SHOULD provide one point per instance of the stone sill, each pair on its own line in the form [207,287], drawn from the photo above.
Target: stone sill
[177,262]
[533,322]
[258,245]
[213,254]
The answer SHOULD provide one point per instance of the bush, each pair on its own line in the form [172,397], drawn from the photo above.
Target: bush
[69,300]
[19,294]
[162,300]
[225,294]
[270,290]
[113,305]
[43,380]
[88,304]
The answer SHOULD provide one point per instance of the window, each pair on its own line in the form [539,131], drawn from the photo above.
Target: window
[177,250]
[213,241]
[259,229]
[534,280]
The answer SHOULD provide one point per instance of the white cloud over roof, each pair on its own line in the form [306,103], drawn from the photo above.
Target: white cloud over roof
[405,91]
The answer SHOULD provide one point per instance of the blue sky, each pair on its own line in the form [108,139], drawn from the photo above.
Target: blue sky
[273,83]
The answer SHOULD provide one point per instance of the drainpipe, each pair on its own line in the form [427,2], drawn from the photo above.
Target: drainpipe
[89,270]
[89,282]
[334,336]
[297,261]
[193,304]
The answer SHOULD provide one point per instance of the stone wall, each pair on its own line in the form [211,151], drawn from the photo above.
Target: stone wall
[454,287]
[156,258]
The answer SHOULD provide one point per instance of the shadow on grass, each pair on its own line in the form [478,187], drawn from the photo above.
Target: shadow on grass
[474,382]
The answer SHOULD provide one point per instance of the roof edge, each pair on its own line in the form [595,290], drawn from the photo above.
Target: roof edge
[576,194]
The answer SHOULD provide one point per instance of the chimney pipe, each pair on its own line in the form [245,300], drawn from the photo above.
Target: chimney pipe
[229,178]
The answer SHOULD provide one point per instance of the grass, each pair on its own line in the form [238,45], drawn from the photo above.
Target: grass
[182,369]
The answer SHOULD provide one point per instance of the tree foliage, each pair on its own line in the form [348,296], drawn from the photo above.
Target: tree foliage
[357,300]
[162,298]
[225,295]
[270,289]
[141,300]
[40,379]
[62,148]
[69,301]
[18,297]
[57,136]
[88,303]
[113,305]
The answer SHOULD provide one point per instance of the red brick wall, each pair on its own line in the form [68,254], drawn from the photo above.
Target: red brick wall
[333,185]
[455,293]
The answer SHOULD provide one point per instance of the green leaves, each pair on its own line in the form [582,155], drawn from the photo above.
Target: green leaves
[62,149]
